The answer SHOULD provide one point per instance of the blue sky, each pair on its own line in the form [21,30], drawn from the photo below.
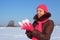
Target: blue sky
[18,10]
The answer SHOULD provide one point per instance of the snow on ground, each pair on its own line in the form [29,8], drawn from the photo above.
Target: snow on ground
[15,33]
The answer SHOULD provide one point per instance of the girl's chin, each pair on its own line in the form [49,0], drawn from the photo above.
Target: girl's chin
[39,16]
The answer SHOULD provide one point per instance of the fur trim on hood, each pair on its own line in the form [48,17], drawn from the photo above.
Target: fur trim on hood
[42,18]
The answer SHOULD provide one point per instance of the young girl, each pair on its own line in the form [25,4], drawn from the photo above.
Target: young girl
[42,26]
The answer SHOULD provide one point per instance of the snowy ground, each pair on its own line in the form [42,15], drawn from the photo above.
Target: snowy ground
[15,33]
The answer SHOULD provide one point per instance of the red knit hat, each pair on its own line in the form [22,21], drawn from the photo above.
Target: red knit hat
[43,6]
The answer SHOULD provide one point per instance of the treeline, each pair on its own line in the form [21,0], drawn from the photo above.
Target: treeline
[11,23]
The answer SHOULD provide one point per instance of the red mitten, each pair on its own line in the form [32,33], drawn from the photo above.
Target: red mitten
[28,27]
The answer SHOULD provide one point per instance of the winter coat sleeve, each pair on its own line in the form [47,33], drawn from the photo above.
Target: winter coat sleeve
[47,32]
[28,33]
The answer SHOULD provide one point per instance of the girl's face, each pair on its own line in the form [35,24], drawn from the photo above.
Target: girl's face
[40,12]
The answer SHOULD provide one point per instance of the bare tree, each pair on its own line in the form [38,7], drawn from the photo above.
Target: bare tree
[11,23]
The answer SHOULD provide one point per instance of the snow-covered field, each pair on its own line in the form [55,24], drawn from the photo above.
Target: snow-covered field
[15,33]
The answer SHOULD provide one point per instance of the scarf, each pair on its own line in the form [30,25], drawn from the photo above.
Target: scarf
[39,27]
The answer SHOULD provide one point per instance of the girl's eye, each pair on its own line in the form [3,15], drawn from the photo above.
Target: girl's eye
[40,11]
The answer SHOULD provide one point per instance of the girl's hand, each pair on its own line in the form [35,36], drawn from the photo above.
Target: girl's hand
[28,27]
